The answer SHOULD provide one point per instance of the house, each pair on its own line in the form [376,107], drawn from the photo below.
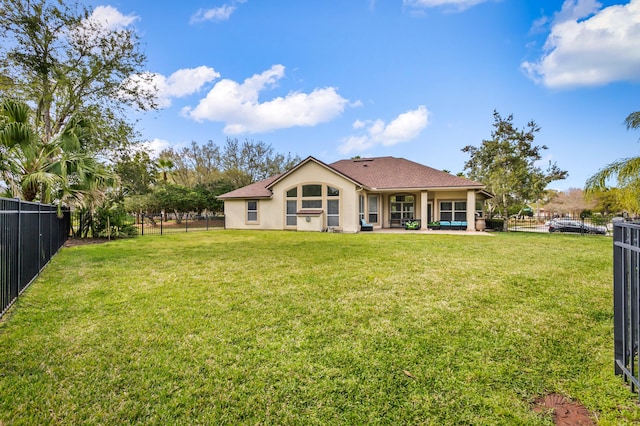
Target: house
[385,192]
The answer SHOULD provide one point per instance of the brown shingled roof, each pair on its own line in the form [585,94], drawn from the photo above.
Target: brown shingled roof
[255,190]
[396,173]
[374,173]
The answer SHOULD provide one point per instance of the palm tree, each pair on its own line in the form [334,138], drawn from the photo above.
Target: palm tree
[166,166]
[60,169]
[626,170]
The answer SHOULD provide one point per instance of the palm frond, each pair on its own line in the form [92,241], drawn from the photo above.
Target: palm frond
[621,169]
[633,120]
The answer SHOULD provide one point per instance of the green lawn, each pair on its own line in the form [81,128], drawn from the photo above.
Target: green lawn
[240,327]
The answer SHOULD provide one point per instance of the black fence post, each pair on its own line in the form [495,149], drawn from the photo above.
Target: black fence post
[39,236]
[19,245]
[618,299]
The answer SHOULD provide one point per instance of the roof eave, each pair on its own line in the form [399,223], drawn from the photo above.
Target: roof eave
[246,197]
[320,163]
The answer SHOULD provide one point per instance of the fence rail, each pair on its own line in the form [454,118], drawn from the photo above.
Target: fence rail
[160,224]
[30,234]
[85,225]
[565,224]
[626,301]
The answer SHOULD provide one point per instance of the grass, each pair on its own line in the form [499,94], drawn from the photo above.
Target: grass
[305,328]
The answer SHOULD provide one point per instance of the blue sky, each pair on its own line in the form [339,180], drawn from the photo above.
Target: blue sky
[407,78]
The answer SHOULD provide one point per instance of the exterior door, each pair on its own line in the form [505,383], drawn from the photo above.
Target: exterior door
[402,209]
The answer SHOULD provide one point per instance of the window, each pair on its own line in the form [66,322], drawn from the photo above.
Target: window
[401,207]
[333,212]
[311,204]
[312,191]
[315,197]
[292,219]
[460,210]
[373,209]
[361,208]
[453,210]
[252,211]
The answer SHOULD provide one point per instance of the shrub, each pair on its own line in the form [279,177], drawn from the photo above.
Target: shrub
[495,224]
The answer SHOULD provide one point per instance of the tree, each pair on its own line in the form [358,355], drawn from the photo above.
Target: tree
[626,171]
[60,170]
[137,173]
[195,164]
[611,201]
[571,201]
[253,161]
[506,164]
[65,64]
[165,165]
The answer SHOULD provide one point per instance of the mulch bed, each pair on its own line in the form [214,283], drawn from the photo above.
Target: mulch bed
[565,412]
[72,242]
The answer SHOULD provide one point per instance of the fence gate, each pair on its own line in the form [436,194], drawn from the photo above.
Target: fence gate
[626,302]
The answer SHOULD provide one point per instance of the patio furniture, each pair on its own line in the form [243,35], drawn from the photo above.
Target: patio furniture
[364,226]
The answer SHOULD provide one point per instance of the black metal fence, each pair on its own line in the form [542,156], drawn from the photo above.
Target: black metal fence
[626,301]
[160,224]
[85,225]
[30,234]
[595,225]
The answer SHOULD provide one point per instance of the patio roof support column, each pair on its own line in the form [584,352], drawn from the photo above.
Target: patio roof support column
[471,210]
[424,209]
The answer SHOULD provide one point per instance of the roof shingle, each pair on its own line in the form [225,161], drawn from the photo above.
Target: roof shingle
[375,173]
[396,173]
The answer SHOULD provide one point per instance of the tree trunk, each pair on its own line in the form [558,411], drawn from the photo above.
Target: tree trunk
[505,213]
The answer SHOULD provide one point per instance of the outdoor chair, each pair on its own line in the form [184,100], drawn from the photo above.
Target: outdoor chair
[364,226]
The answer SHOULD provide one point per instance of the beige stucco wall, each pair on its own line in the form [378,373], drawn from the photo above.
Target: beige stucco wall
[272,212]
[313,173]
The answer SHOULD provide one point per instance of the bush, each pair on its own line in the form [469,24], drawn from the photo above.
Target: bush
[113,221]
[495,224]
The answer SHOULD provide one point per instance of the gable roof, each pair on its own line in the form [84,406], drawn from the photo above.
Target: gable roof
[255,190]
[399,173]
[310,160]
[378,173]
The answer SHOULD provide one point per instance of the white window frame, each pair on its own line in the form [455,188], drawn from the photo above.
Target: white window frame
[314,202]
[250,211]
[372,211]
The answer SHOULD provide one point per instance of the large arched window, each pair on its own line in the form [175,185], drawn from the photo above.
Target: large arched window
[314,196]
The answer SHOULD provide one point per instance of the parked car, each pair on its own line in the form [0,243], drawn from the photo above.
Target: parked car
[569,225]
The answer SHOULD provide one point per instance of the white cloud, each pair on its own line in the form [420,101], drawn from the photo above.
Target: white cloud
[459,5]
[239,106]
[588,46]
[221,13]
[181,83]
[405,127]
[574,10]
[103,21]
[110,18]
[189,80]
[156,146]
